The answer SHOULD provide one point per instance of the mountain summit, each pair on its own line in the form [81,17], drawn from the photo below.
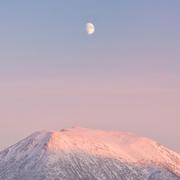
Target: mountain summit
[86,154]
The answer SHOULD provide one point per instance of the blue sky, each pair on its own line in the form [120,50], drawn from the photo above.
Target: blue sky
[44,33]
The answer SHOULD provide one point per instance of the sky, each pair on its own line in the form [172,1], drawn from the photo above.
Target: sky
[125,77]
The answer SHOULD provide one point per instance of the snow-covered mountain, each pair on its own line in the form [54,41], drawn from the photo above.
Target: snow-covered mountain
[85,154]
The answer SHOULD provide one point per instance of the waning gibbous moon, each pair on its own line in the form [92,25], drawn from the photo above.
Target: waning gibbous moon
[90,28]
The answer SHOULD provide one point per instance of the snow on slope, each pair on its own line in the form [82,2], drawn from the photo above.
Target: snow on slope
[85,154]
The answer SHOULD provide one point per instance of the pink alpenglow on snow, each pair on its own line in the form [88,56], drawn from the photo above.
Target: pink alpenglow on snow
[80,153]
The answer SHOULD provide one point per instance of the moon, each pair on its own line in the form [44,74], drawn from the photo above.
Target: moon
[90,28]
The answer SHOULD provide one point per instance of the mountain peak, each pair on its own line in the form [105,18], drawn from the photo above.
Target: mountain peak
[81,147]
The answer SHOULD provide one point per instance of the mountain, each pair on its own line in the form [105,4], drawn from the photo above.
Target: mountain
[86,154]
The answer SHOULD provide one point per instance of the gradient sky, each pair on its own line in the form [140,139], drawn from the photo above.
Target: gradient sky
[125,77]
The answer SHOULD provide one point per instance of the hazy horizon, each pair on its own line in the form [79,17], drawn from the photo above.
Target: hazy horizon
[125,77]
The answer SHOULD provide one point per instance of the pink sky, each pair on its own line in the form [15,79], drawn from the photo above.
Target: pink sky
[147,105]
